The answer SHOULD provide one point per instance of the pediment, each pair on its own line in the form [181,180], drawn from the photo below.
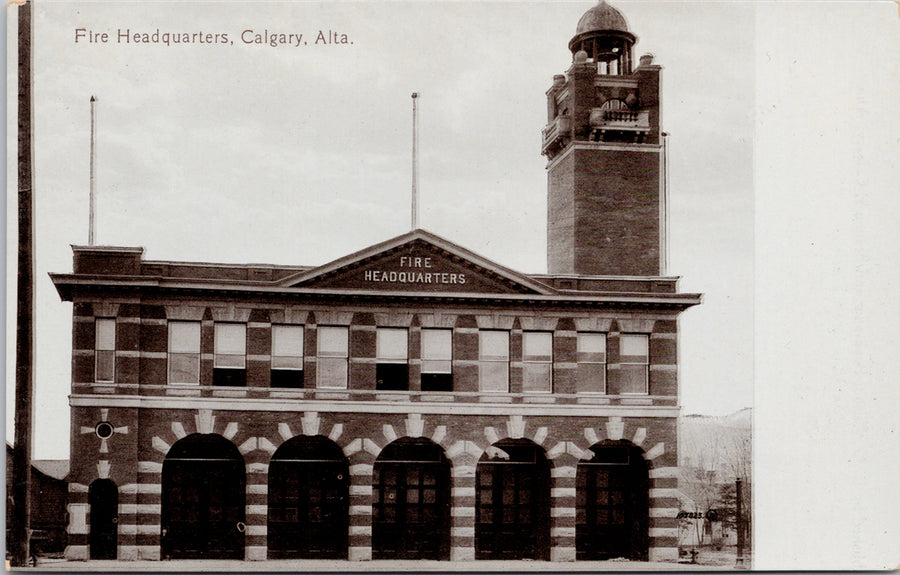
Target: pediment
[417,262]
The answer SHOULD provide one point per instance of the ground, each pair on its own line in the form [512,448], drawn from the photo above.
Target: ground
[49,564]
[708,556]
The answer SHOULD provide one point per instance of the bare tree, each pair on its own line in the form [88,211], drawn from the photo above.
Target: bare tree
[714,452]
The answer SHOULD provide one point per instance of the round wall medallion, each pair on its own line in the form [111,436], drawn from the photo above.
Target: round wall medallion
[104,430]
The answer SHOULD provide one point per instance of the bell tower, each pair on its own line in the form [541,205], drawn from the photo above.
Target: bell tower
[605,173]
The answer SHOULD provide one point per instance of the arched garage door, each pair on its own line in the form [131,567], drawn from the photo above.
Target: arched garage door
[203,498]
[411,501]
[612,503]
[308,500]
[512,489]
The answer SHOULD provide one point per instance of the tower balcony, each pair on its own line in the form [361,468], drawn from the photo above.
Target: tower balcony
[556,135]
[623,120]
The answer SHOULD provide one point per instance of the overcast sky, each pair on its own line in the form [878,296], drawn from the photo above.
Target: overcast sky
[299,155]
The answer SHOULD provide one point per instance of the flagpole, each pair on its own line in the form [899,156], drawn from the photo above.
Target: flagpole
[415,161]
[93,170]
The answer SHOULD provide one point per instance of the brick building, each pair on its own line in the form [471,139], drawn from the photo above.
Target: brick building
[410,400]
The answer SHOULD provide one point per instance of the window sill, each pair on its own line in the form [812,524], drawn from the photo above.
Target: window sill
[542,398]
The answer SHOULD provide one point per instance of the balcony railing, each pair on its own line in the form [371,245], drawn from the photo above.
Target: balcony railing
[556,134]
[620,119]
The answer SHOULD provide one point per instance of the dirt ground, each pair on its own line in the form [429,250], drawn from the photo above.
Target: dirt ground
[709,556]
[51,564]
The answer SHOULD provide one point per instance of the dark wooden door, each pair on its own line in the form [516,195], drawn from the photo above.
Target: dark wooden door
[308,509]
[411,502]
[612,500]
[512,503]
[203,498]
[103,498]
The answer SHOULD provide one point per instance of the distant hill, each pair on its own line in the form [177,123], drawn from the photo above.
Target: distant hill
[720,443]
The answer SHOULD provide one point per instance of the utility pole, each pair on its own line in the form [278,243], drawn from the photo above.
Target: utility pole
[739,522]
[25,308]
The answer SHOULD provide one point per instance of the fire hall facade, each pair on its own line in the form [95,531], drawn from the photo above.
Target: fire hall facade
[412,400]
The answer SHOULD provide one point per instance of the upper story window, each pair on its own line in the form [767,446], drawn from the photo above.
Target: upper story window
[591,362]
[184,352]
[537,360]
[230,366]
[493,361]
[287,356]
[634,360]
[391,359]
[332,366]
[105,349]
[437,359]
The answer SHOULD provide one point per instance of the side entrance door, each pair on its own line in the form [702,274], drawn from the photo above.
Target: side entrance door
[103,498]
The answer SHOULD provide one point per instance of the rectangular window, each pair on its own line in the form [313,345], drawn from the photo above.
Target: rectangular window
[287,356]
[591,362]
[634,359]
[331,357]
[537,360]
[105,349]
[230,366]
[437,359]
[493,361]
[391,359]
[184,352]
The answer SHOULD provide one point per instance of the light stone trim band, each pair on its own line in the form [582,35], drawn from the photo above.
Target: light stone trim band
[361,469]
[462,492]
[565,471]
[663,492]
[463,471]
[270,405]
[562,492]
[664,512]
[664,472]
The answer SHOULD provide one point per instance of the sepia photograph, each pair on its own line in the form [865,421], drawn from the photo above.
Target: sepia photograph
[379,286]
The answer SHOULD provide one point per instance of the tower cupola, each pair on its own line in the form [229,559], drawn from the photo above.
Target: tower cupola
[603,35]
[604,144]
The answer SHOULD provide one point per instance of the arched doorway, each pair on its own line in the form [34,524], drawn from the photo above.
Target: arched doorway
[612,503]
[309,480]
[411,501]
[103,498]
[512,502]
[203,496]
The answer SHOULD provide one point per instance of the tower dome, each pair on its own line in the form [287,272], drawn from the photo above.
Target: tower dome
[603,34]
[601,17]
